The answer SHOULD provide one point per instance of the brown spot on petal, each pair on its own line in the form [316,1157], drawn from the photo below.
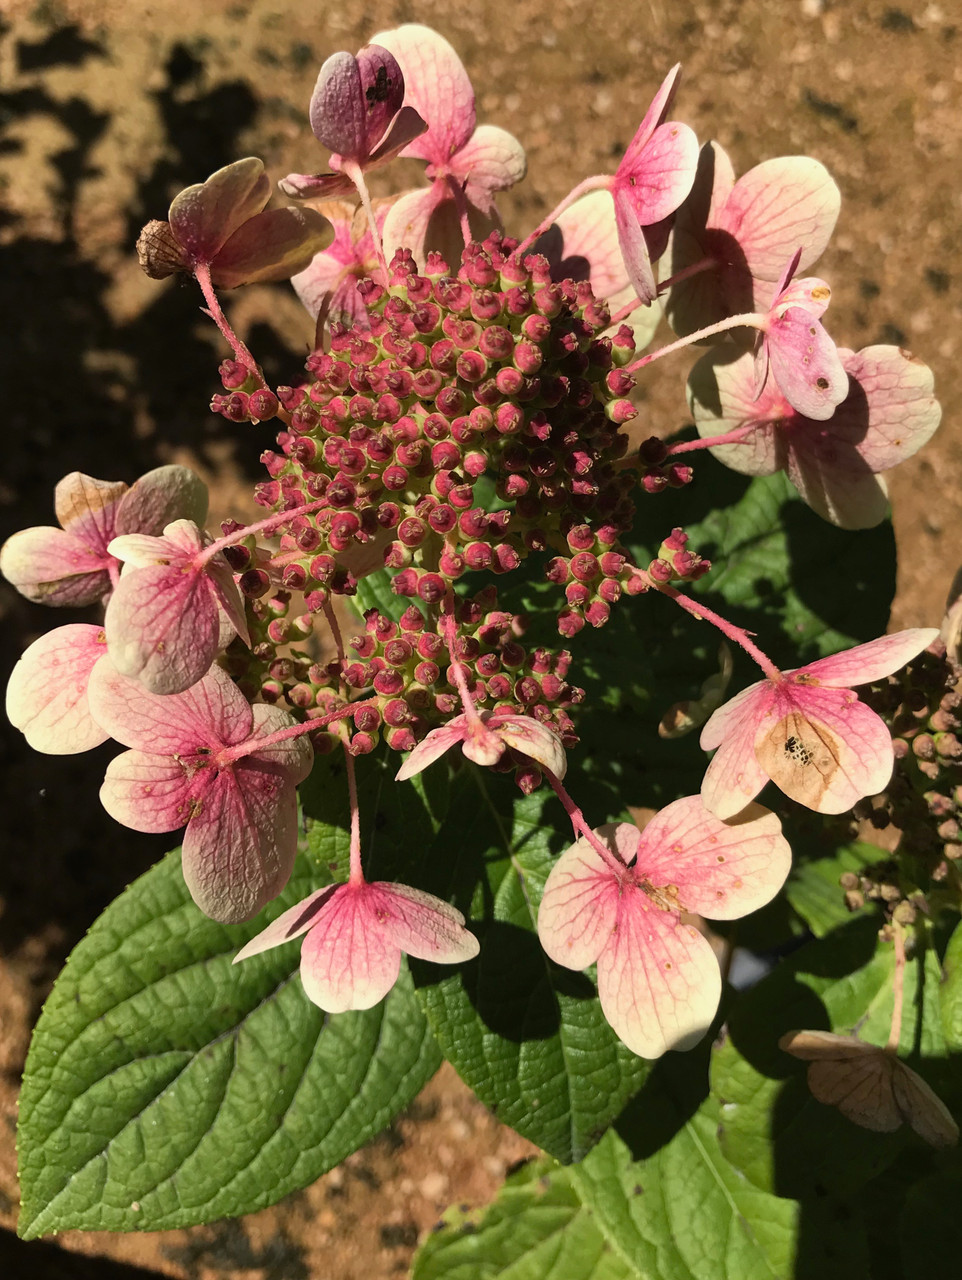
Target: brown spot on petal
[799,758]
[821,293]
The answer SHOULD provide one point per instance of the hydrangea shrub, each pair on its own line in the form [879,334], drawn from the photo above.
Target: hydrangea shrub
[422,832]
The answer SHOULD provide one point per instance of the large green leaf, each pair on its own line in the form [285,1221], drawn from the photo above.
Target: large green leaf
[813,887]
[951,992]
[527,1036]
[683,1213]
[165,1086]
[537,1229]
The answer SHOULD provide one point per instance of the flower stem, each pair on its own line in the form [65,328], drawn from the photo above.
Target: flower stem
[696,268]
[751,319]
[898,986]
[252,745]
[738,436]
[580,826]
[335,629]
[356,875]
[449,629]
[202,276]
[600,180]
[702,612]
[353,171]
[461,204]
[261,526]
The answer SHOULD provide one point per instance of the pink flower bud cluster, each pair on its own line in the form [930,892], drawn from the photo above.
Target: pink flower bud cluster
[499,371]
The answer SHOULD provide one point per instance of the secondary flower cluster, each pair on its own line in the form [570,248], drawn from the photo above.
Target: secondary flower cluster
[463,413]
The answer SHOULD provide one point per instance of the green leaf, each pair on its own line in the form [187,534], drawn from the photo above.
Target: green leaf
[813,887]
[537,1229]
[528,1036]
[683,1213]
[166,1087]
[951,992]
[374,592]
[929,1224]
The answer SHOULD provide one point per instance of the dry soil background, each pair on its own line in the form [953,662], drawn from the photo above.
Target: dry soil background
[106,109]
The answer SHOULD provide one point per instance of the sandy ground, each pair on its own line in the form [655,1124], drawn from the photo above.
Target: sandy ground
[108,108]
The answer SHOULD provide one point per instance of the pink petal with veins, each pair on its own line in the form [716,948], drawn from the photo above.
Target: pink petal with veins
[52,567]
[734,777]
[656,114]
[408,219]
[901,409]
[491,160]
[203,217]
[805,363]
[227,594]
[294,756]
[47,691]
[148,792]
[211,714]
[634,248]
[436,85]
[407,126]
[658,980]
[159,497]
[315,186]
[274,245]
[162,627]
[339,112]
[347,962]
[662,175]
[241,840]
[87,508]
[289,924]
[777,206]
[432,747]
[420,924]
[721,398]
[869,662]
[722,870]
[533,739]
[579,906]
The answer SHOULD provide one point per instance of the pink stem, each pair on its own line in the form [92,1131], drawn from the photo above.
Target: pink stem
[696,268]
[580,826]
[356,875]
[261,526]
[449,629]
[335,629]
[252,745]
[202,275]
[461,204]
[738,436]
[898,985]
[353,171]
[702,612]
[751,319]
[600,180]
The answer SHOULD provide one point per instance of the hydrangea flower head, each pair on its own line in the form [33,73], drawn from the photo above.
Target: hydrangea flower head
[658,979]
[808,732]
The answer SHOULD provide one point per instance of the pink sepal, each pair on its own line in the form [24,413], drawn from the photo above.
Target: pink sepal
[722,870]
[533,739]
[491,160]
[51,566]
[211,714]
[294,755]
[805,363]
[352,955]
[354,101]
[47,691]
[659,982]
[734,777]
[634,248]
[158,498]
[203,217]
[328,286]
[436,86]
[147,792]
[484,739]
[431,748]
[869,662]
[241,840]
[579,908]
